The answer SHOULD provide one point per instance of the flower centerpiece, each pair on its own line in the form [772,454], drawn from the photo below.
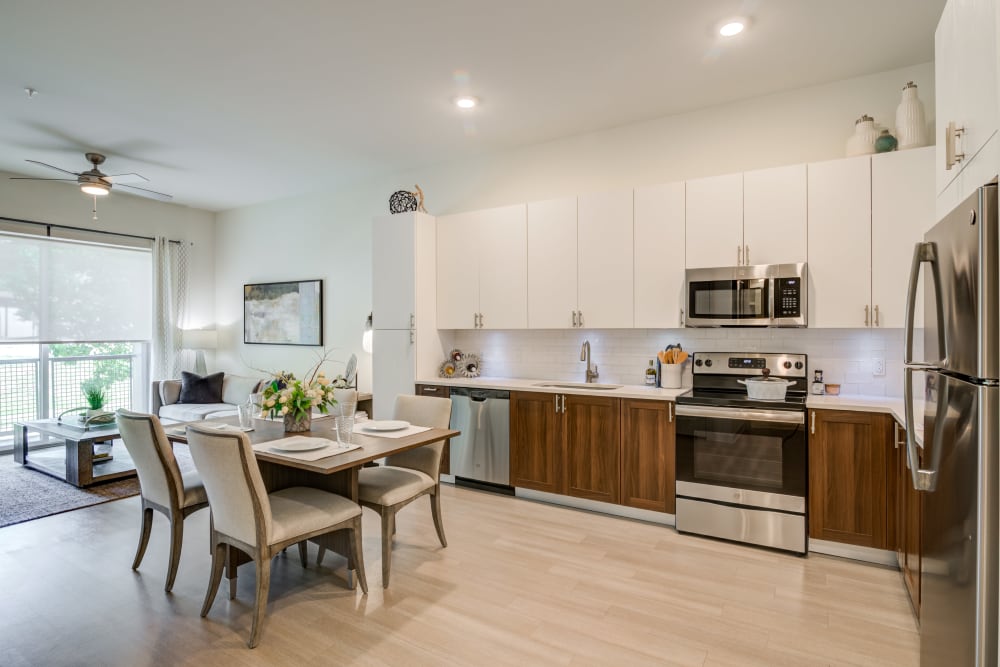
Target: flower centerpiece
[294,399]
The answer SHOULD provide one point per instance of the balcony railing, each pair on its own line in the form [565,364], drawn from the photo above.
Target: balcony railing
[26,393]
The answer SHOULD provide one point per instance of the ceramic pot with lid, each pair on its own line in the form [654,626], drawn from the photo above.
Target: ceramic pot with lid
[766,388]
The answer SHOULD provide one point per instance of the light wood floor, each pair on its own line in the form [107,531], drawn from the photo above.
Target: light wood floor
[520,583]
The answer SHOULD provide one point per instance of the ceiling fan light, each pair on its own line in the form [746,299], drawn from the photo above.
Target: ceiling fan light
[96,189]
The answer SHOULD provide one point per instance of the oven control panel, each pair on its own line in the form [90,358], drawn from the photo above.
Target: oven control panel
[753,363]
[787,297]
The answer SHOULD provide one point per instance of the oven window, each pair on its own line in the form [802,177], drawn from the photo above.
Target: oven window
[742,454]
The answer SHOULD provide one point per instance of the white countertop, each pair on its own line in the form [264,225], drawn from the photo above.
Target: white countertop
[515,384]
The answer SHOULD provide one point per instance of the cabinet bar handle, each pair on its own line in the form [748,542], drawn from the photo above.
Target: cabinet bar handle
[429,390]
[581,317]
[564,403]
[480,320]
[951,155]
[670,412]
[739,255]
[746,255]
[557,402]
[812,422]
[574,318]
[876,315]
[866,315]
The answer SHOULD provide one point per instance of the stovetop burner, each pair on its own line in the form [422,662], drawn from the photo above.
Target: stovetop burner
[717,375]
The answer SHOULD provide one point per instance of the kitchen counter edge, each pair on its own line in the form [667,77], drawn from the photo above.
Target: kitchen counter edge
[514,384]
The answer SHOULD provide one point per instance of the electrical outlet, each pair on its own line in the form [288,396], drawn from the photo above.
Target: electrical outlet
[878,366]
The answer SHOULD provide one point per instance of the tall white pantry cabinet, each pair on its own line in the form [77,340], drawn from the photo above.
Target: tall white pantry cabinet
[405,341]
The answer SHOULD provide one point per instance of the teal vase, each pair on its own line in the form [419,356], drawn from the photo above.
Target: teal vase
[885,142]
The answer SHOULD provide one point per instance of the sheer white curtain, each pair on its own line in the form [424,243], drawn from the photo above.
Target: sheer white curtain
[170,291]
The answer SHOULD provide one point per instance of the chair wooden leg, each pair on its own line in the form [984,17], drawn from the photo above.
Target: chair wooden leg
[176,540]
[319,556]
[260,599]
[388,520]
[302,553]
[359,557]
[218,560]
[144,531]
[436,513]
[231,574]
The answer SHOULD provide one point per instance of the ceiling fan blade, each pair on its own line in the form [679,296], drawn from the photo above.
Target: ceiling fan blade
[31,178]
[72,173]
[152,194]
[126,178]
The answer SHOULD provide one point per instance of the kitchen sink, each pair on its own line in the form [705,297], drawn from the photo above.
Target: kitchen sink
[579,385]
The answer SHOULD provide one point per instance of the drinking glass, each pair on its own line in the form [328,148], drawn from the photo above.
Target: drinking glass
[345,429]
[246,414]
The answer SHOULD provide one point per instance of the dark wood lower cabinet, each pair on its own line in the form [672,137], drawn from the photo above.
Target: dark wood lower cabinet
[848,494]
[592,447]
[536,441]
[648,442]
[908,516]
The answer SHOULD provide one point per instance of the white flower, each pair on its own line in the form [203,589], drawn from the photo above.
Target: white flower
[284,410]
[270,403]
[282,399]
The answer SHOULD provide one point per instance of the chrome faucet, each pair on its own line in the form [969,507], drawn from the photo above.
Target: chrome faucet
[585,356]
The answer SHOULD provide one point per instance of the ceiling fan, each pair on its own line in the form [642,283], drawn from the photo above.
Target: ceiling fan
[96,183]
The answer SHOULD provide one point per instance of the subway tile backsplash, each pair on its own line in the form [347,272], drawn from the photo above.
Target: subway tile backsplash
[622,355]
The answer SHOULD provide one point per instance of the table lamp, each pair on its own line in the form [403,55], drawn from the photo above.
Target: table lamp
[200,340]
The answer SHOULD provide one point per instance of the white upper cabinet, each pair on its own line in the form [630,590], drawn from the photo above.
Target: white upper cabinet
[503,268]
[482,269]
[552,264]
[774,215]
[966,70]
[902,211]
[604,260]
[659,256]
[393,265]
[839,273]
[457,271]
[715,221]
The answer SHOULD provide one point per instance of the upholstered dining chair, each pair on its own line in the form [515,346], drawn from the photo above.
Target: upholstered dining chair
[162,485]
[408,475]
[261,524]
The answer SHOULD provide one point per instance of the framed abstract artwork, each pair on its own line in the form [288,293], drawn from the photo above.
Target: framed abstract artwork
[288,313]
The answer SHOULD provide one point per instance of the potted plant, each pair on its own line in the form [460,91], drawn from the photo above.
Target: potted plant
[94,393]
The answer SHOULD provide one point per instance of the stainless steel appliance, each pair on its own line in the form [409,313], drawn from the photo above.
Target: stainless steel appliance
[958,476]
[766,295]
[741,464]
[482,452]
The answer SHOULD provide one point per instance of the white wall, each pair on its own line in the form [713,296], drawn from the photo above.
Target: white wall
[328,235]
[62,203]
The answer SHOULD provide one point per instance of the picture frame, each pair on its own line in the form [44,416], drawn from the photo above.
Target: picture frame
[283,313]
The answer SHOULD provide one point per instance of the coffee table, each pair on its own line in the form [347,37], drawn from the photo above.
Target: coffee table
[75,463]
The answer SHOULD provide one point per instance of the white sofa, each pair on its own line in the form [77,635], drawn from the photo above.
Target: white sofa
[236,389]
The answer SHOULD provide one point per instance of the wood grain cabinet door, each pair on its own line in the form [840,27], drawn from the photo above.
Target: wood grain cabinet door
[593,447]
[848,495]
[536,447]
[648,440]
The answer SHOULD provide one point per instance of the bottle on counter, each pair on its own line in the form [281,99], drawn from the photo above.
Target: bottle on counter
[651,374]
[817,386]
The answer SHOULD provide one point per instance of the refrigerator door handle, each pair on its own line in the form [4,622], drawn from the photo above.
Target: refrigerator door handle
[924,479]
[924,253]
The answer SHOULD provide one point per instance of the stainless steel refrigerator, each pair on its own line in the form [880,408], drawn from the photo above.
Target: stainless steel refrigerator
[959,473]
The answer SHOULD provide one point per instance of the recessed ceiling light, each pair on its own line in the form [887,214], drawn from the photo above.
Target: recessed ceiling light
[732,27]
[466,102]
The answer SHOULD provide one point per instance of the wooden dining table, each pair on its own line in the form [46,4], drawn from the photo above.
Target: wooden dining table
[337,473]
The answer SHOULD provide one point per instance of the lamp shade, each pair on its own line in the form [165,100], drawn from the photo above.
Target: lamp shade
[200,339]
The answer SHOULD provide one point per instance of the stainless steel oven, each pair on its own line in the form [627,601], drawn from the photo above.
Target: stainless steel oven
[767,295]
[741,464]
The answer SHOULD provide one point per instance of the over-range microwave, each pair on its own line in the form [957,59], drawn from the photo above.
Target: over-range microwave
[766,295]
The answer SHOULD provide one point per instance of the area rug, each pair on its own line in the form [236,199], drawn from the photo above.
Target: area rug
[29,494]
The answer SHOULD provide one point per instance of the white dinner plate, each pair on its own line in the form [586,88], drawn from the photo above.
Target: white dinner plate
[299,445]
[386,425]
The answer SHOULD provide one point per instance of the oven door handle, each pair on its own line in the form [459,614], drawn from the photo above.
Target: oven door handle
[741,414]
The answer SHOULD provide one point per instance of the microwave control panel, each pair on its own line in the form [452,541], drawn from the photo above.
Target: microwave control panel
[788,297]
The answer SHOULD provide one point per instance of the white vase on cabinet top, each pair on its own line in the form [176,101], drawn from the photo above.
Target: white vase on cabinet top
[911,122]
[862,142]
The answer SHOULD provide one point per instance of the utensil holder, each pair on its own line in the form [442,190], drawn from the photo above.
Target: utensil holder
[670,375]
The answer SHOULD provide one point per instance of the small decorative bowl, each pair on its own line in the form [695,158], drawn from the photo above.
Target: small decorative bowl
[833,389]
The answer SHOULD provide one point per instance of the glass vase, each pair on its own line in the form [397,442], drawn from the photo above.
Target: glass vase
[298,423]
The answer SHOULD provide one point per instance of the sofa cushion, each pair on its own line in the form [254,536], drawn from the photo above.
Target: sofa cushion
[170,391]
[201,389]
[190,412]
[236,389]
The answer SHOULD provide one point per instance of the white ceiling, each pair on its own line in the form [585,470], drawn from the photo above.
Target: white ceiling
[232,102]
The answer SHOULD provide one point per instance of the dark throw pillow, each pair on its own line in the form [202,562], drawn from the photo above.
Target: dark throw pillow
[198,389]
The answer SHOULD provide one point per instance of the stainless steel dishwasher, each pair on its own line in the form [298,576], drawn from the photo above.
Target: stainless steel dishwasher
[482,453]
